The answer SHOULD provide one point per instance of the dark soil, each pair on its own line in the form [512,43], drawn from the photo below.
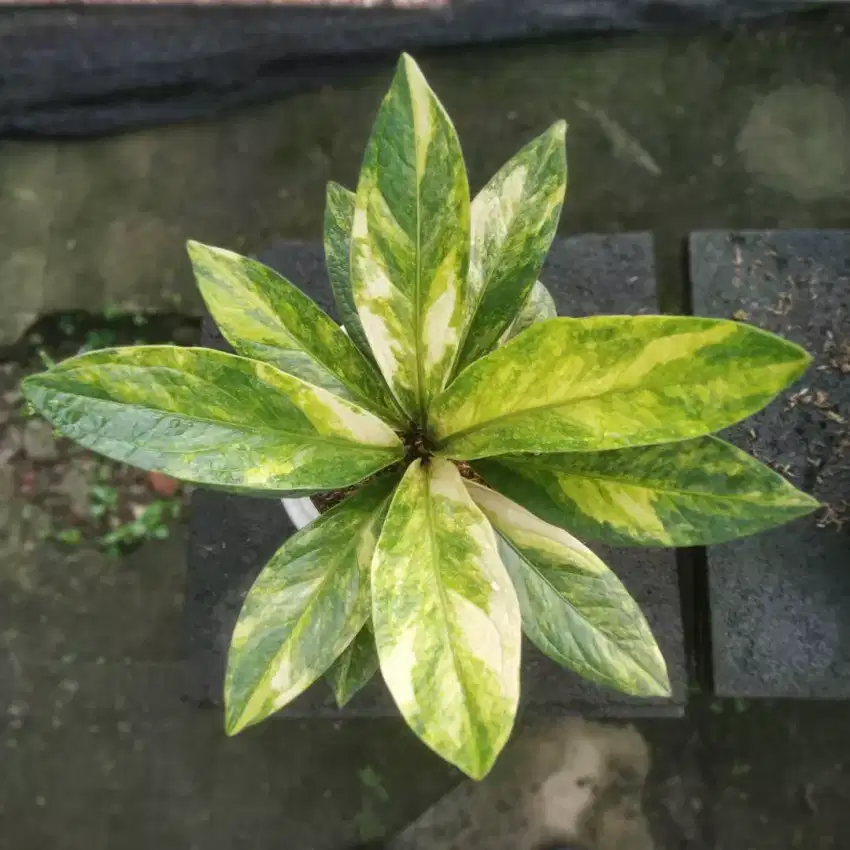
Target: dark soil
[85,497]
[325,501]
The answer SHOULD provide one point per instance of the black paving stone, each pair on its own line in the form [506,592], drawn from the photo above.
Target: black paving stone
[780,601]
[233,536]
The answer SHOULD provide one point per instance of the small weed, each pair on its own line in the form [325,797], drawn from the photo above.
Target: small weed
[68,536]
[99,338]
[150,524]
[46,360]
[368,821]
[104,500]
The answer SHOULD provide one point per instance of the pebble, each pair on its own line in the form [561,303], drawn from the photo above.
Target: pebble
[10,444]
[38,441]
[7,485]
[75,486]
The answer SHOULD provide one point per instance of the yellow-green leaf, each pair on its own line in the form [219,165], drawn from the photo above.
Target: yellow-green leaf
[513,221]
[446,620]
[539,306]
[308,603]
[355,667]
[339,220]
[574,608]
[212,418]
[410,241]
[608,382]
[263,316]
[691,493]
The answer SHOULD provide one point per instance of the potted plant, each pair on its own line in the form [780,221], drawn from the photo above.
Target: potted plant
[464,432]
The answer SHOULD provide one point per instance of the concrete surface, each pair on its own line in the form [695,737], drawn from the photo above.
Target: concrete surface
[670,134]
[780,601]
[735,776]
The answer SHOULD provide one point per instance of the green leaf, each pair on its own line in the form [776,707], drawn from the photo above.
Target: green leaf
[692,493]
[263,316]
[212,418]
[308,603]
[339,220]
[513,223]
[446,620]
[539,306]
[410,242]
[355,667]
[609,382]
[574,609]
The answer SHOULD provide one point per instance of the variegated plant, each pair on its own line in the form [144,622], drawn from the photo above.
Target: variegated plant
[451,360]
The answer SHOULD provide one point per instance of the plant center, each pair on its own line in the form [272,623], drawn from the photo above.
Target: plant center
[418,445]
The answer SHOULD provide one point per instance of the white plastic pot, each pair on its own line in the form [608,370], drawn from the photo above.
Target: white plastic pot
[301,512]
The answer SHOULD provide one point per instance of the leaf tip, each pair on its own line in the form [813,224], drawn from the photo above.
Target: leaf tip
[806,502]
[409,68]
[559,130]
[659,684]
[478,772]
[33,388]
[233,723]
[333,188]
[197,251]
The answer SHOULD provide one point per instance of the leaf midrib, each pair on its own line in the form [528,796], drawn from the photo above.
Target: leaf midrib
[289,639]
[471,429]
[673,491]
[314,437]
[541,162]
[417,307]
[444,602]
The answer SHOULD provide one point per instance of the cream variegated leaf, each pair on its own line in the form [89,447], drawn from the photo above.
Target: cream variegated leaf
[410,241]
[339,221]
[574,608]
[513,221]
[307,605]
[446,620]
[539,306]
[607,382]
[693,493]
[212,418]
[355,667]
[263,316]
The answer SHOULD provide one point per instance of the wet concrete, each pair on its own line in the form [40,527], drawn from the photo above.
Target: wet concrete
[669,133]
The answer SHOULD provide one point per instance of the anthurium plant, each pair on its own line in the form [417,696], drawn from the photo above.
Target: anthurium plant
[482,434]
